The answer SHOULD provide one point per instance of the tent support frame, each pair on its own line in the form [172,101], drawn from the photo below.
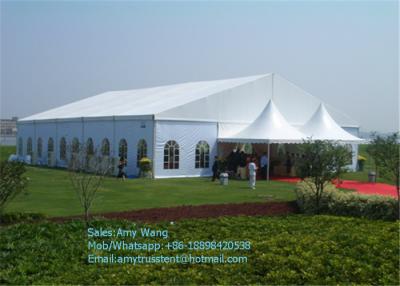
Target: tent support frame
[268,162]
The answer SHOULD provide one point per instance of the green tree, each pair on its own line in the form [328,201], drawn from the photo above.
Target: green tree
[87,173]
[12,181]
[341,158]
[385,151]
[322,162]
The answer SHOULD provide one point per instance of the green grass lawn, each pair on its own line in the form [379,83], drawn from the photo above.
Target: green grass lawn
[369,165]
[6,151]
[50,192]
[287,250]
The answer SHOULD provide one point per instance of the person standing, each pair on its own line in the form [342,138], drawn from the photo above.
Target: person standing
[215,168]
[252,174]
[121,168]
[288,164]
[264,165]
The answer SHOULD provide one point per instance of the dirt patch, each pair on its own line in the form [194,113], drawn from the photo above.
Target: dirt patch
[202,211]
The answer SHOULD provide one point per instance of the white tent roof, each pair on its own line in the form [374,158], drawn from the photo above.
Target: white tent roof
[235,102]
[321,126]
[145,101]
[269,127]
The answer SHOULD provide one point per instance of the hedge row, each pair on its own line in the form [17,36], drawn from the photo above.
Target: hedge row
[290,250]
[334,201]
[9,218]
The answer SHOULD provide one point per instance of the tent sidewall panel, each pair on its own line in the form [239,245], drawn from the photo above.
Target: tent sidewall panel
[187,135]
[133,131]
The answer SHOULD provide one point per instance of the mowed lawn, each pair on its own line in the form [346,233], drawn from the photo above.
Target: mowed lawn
[369,165]
[50,193]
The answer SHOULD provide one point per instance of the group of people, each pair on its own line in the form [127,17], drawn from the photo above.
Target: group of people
[243,166]
[238,162]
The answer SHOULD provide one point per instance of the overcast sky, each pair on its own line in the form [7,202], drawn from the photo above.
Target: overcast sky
[346,53]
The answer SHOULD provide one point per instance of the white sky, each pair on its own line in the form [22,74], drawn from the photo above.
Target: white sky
[346,53]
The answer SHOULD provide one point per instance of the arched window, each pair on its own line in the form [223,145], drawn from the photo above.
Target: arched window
[50,152]
[89,147]
[141,150]
[202,159]
[29,147]
[123,149]
[39,147]
[171,155]
[75,146]
[50,145]
[105,147]
[63,149]
[20,146]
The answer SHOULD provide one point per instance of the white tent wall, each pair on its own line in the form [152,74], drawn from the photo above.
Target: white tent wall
[68,130]
[133,131]
[45,130]
[112,129]
[115,129]
[354,147]
[187,135]
[24,131]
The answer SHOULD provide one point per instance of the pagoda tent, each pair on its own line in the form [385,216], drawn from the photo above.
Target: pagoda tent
[269,127]
[321,126]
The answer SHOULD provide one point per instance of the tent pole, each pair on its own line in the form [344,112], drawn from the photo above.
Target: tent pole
[268,163]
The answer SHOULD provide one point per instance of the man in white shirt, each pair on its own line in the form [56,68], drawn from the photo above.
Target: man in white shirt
[264,165]
[252,174]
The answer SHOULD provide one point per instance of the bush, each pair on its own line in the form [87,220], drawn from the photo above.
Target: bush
[10,218]
[306,197]
[360,162]
[345,203]
[12,181]
[290,250]
[145,164]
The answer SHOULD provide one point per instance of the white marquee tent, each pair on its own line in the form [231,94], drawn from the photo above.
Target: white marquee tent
[269,127]
[180,126]
[321,126]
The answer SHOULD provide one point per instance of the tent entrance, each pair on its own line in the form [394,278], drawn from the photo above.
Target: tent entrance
[282,158]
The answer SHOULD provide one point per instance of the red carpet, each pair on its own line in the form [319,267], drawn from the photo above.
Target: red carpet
[370,188]
[361,187]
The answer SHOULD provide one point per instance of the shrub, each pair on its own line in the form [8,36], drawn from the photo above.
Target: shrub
[361,158]
[306,196]
[9,218]
[145,164]
[322,162]
[345,203]
[12,181]
[289,250]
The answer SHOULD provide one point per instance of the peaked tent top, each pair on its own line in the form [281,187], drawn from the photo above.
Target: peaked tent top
[321,126]
[269,127]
